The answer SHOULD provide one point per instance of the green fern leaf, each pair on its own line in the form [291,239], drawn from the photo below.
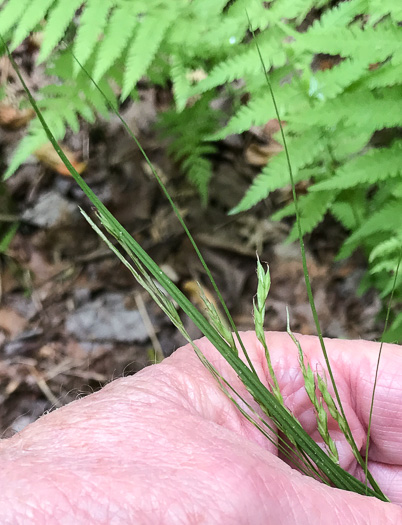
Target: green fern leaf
[345,141]
[33,14]
[59,18]
[144,46]
[338,16]
[25,148]
[208,8]
[84,109]
[386,289]
[199,173]
[313,208]
[259,16]
[71,119]
[387,265]
[381,221]
[377,9]
[347,108]
[286,211]
[35,138]
[350,208]
[389,247]
[397,190]
[180,83]
[354,42]
[260,110]
[118,32]
[244,64]
[11,14]
[393,334]
[276,175]
[332,82]
[92,23]
[388,74]
[376,165]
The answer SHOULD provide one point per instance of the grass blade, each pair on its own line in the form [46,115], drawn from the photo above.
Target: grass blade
[378,367]
[267,401]
[305,271]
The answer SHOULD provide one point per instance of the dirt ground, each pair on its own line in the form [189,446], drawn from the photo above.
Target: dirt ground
[71,316]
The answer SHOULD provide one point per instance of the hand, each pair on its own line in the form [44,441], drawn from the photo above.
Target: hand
[167,447]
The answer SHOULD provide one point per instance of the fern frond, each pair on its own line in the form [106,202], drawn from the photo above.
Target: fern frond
[186,131]
[388,284]
[352,42]
[243,64]
[58,20]
[35,138]
[144,46]
[180,83]
[260,110]
[313,208]
[338,16]
[387,248]
[63,104]
[376,165]
[290,9]
[346,141]
[11,13]
[332,82]
[382,220]
[33,14]
[395,327]
[388,74]
[259,16]
[275,175]
[397,190]
[120,27]
[350,208]
[92,23]
[377,9]
[347,108]
[386,265]
[199,173]
[207,8]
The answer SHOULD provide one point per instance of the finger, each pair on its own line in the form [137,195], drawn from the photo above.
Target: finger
[353,364]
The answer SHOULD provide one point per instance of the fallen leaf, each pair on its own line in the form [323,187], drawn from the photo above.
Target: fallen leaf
[261,154]
[48,156]
[12,117]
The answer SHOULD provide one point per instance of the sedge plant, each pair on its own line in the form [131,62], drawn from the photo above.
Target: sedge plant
[296,444]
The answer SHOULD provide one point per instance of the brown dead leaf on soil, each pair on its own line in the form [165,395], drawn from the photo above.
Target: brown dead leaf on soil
[13,118]
[48,156]
[260,153]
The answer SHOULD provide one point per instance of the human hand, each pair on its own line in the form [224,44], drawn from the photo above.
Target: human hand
[166,446]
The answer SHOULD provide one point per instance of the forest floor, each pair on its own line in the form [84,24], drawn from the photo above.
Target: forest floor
[71,316]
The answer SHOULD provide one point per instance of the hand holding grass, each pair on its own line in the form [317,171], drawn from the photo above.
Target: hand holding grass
[167,446]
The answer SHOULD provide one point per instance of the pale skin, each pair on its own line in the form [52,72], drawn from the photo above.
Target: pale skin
[167,447]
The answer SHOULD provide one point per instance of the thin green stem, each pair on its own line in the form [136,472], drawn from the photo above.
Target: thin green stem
[177,213]
[267,401]
[378,368]
[304,262]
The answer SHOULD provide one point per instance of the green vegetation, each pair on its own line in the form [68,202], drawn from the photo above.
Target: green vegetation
[330,117]
[337,80]
[314,461]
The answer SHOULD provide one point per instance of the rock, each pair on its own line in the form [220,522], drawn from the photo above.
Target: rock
[51,210]
[107,319]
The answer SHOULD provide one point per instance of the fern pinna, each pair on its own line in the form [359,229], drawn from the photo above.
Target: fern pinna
[335,112]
